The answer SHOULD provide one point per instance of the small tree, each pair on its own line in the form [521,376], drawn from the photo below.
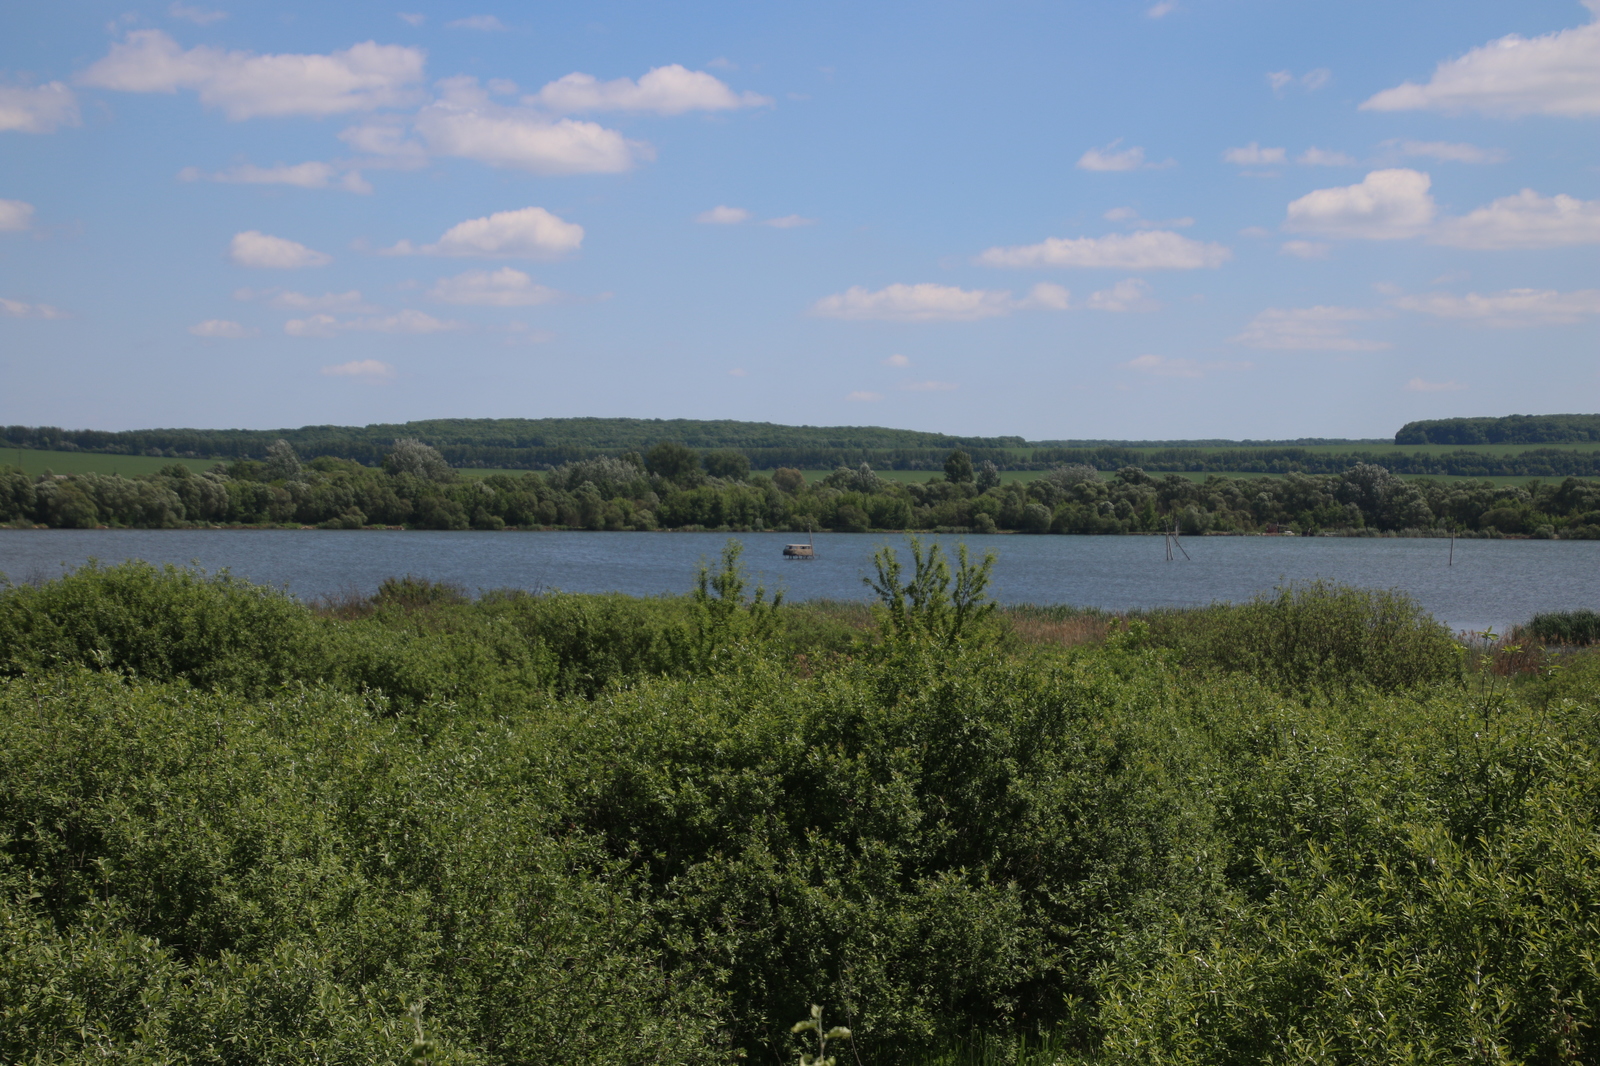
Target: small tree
[927,607]
[727,463]
[988,476]
[411,456]
[282,463]
[672,460]
[958,467]
[788,479]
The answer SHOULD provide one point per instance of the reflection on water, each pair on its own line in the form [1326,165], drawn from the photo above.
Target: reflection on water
[1491,582]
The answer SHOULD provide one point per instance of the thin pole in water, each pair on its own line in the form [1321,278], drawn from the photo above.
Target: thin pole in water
[1452,550]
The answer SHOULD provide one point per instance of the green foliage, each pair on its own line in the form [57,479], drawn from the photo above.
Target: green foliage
[1318,635]
[420,827]
[1578,628]
[822,1037]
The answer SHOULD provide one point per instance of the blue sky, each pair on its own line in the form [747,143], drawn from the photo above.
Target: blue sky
[1242,219]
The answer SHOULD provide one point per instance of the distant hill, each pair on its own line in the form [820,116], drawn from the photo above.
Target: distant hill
[1512,429]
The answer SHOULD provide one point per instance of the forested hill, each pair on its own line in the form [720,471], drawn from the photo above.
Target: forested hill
[1512,429]
[522,443]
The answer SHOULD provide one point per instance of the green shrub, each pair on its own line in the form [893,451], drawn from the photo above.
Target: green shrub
[1580,627]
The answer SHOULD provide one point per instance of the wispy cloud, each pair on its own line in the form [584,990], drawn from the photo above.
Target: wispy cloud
[1309,329]
[1145,250]
[929,302]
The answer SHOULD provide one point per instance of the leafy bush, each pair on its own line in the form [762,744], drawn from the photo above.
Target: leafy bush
[1581,627]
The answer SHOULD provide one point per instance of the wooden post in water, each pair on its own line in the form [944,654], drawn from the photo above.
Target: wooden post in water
[1452,549]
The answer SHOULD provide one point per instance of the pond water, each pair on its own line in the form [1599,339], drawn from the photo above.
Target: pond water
[1491,582]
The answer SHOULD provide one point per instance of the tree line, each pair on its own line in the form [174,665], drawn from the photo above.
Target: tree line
[1512,429]
[673,486]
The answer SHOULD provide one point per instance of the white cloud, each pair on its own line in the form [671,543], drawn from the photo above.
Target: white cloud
[466,124]
[497,288]
[370,369]
[1108,158]
[738,372]
[789,222]
[899,362]
[1509,309]
[387,142]
[1321,157]
[1526,220]
[302,175]
[252,248]
[863,397]
[245,85]
[1311,80]
[1161,367]
[197,15]
[220,328]
[529,233]
[1308,329]
[1304,249]
[1418,385]
[1385,205]
[929,386]
[1161,10]
[478,22]
[15,215]
[37,109]
[1130,295]
[407,321]
[411,18]
[1145,250]
[283,300]
[1253,155]
[723,215]
[669,90]
[928,302]
[1447,152]
[1556,74]
[20,309]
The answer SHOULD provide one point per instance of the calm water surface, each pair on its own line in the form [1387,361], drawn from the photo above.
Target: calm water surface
[1491,582]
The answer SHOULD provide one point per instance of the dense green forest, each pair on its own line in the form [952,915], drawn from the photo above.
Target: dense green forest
[1512,429]
[673,486]
[592,829]
[541,444]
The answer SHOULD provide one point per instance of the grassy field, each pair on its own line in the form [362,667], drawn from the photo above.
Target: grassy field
[35,462]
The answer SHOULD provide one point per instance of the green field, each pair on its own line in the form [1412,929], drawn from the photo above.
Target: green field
[37,461]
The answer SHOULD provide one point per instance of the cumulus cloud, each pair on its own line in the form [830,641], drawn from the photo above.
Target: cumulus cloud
[789,222]
[407,321]
[723,215]
[899,362]
[252,248]
[1308,329]
[1321,157]
[1446,151]
[1304,249]
[1108,158]
[493,288]
[529,233]
[22,309]
[1385,205]
[1160,366]
[1510,309]
[245,85]
[487,23]
[1556,74]
[465,123]
[1130,295]
[1419,385]
[929,302]
[387,142]
[669,90]
[198,15]
[863,397]
[285,300]
[1161,10]
[220,329]
[1145,250]
[369,369]
[302,175]
[15,215]
[37,109]
[1526,220]
[1253,155]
